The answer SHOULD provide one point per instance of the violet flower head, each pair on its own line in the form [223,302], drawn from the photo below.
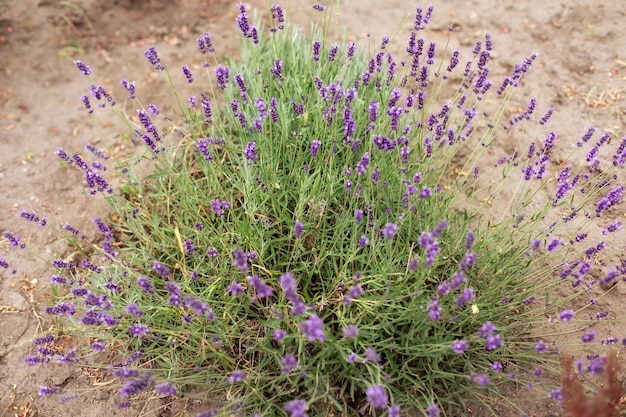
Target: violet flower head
[315,146]
[139,330]
[493,342]
[261,288]
[432,410]
[298,229]
[240,260]
[205,44]
[350,332]
[363,241]
[313,329]
[434,309]
[466,296]
[165,389]
[236,289]
[553,244]
[319,7]
[187,73]
[161,269]
[611,199]
[251,151]
[278,335]
[153,57]
[540,347]
[459,346]
[84,68]
[130,87]
[566,315]
[237,376]
[288,362]
[143,282]
[390,231]
[222,74]
[480,379]
[296,408]
[317,45]
[377,396]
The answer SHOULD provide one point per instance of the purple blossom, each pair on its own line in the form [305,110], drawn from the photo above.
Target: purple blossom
[296,408]
[134,310]
[135,386]
[236,289]
[47,391]
[139,330]
[84,68]
[237,376]
[313,328]
[553,244]
[165,389]
[319,7]
[205,44]
[390,231]
[251,151]
[279,15]
[566,315]
[143,282]
[187,73]
[493,342]
[377,396]
[240,260]
[434,309]
[350,332]
[260,287]
[540,346]
[278,335]
[459,346]
[466,296]
[161,269]
[316,50]
[432,410]
[298,229]
[611,199]
[487,329]
[153,57]
[480,379]
[222,73]
[288,362]
[315,145]
[363,241]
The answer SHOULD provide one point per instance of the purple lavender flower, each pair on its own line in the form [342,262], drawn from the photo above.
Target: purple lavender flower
[134,310]
[315,145]
[165,389]
[377,396]
[358,216]
[317,45]
[47,391]
[236,289]
[161,269]
[139,330]
[261,288]
[288,362]
[296,408]
[390,231]
[566,315]
[313,328]
[237,376]
[487,329]
[222,73]
[135,386]
[187,73]
[240,260]
[434,309]
[459,346]
[553,244]
[278,335]
[480,379]
[540,347]
[493,342]
[279,15]
[319,7]
[363,241]
[143,282]
[130,87]
[84,68]
[432,410]
[298,229]
[350,332]
[466,296]
[153,57]
[611,199]
[251,151]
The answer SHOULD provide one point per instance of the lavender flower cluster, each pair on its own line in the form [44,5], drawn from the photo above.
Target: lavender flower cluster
[247,251]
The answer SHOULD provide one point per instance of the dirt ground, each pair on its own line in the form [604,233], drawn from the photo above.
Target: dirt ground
[581,71]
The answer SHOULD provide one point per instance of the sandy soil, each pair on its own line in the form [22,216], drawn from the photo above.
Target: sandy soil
[581,70]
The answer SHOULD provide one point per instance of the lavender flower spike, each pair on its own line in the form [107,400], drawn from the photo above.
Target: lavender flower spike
[84,68]
[153,57]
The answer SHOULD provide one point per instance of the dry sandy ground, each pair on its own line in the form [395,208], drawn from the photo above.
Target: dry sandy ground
[581,70]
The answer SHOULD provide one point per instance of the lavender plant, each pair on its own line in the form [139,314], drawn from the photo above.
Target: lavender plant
[313,234]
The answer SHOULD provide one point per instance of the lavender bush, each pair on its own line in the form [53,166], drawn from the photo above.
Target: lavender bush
[314,236]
